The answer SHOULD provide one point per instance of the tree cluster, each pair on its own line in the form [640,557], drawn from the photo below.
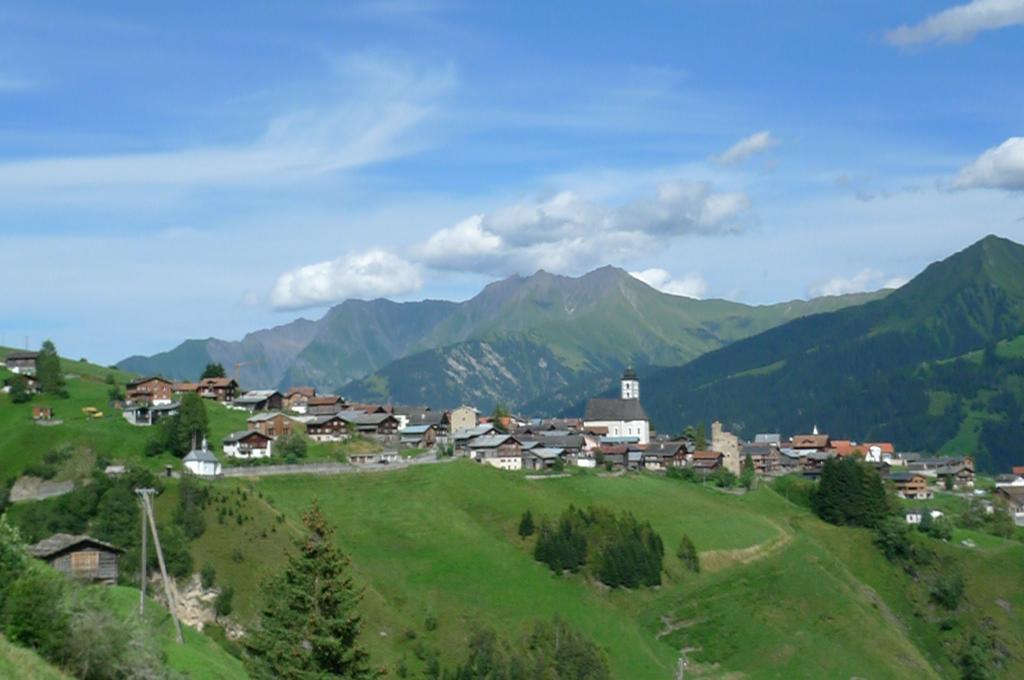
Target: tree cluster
[48,371]
[552,650]
[617,549]
[851,493]
[213,370]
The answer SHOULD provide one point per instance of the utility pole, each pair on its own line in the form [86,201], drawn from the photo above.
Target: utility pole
[144,565]
[146,496]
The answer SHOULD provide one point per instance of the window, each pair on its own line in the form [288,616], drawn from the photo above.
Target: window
[85,562]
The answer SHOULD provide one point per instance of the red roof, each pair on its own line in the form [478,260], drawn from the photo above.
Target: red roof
[304,391]
[886,447]
[706,455]
[1018,469]
[844,447]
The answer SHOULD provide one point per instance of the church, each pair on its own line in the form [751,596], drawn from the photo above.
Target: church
[623,417]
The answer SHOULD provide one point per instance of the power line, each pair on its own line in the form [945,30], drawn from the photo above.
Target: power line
[170,592]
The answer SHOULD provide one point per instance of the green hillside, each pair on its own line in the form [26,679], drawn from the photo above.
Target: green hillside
[18,662]
[781,594]
[908,368]
[580,327]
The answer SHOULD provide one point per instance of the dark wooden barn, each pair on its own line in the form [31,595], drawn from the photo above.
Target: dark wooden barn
[80,557]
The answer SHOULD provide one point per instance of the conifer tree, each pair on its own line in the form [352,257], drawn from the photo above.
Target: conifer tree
[48,371]
[526,525]
[213,370]
[747,475]
[308,626]
[19,390]
[687,554]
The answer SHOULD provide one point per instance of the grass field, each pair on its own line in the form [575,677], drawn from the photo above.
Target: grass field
[18,662]
[23,443]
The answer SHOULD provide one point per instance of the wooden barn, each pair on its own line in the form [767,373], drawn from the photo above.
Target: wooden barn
[81,557]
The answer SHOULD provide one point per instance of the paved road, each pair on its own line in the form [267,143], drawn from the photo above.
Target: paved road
[328,468]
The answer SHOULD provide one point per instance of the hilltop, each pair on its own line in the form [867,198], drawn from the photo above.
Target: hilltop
[935,365]
[519,340]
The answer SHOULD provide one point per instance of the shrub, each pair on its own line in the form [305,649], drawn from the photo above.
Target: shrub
[34,615]
[223,604]
[687,554]
[526,527]
[948,590]
[208,576]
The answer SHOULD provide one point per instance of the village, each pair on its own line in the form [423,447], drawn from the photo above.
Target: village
[613,435]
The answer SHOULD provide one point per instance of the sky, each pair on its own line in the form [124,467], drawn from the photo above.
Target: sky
[175,170]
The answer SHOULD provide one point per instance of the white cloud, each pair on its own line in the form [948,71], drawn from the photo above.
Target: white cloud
[960,23]
[369,275]
[864,280]
[748,146]
[568,233]
[1001,167]
[692,285]
[369,122]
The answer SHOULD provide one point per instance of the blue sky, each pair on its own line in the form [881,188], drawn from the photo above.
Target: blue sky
[183,170]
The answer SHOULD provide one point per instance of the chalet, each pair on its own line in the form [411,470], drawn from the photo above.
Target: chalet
[913,485]
[961,473]
[259,400]
[766,458]
[31,384]
[80,557]
[877,452]
[184,387]
[495,446]
[201,462]
[325,405]
[462,438]
[297,398]
[540,458]
[219,389]
[418,436]
[143,413]
[381,458]
[22,363]
[663,455]
[1014,497]
[706,461]
[248,444]
[271,424]
[154,389]
[623,417]
[812,462]
[327,428]
[380,425]
[811,442]
[365,408]
[42,413]
[421,415]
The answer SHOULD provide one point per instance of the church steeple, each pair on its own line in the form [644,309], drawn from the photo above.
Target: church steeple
[630,384]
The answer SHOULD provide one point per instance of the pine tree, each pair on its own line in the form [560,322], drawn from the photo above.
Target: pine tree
[526,525]
[308,626]
[188,426]
[213,370]
[687,554]
[747,475]
[48,371]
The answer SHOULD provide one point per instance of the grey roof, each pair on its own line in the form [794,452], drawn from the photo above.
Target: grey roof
[200,456]
[23,355]
[767,438]
[238,436]
[478,431]
[565,441]
[367,418]
[546,453]
[255,396]
[264,415]
[615,409]
[490,441]
[173,406]
[416,429]
[60,542]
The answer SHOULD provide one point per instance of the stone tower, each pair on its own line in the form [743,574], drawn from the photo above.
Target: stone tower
[728,445]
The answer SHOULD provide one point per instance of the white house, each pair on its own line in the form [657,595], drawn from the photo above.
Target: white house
[202,462]
[248,444]
[623,417]
[505,462]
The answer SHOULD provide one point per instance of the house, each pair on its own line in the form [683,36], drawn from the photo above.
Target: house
[331,428]
[623,417]
[961,473]
[913,485]
[271,424]
[184,387]
[1017,469]
[463,418]
[915,515]
[664,455]
[462,438]
[22,363]
[540,458]
[1014,497]
[1009,480]
[143,413]
[297,398]
[728,444]
[31,384]
[495,446]
[324,405]
[418,436]
[379,425]
[201,462]
[706,461]
[220,389]
[877,452]
[248,444]
[42,413]
[259,400]
[812,462]
[80,557]
[154,389]
[382,458]
[766,458]
[810,442]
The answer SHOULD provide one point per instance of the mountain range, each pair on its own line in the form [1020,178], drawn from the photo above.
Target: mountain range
[936,365]
[533,342]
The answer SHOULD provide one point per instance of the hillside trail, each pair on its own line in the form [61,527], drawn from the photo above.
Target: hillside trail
[716,560]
